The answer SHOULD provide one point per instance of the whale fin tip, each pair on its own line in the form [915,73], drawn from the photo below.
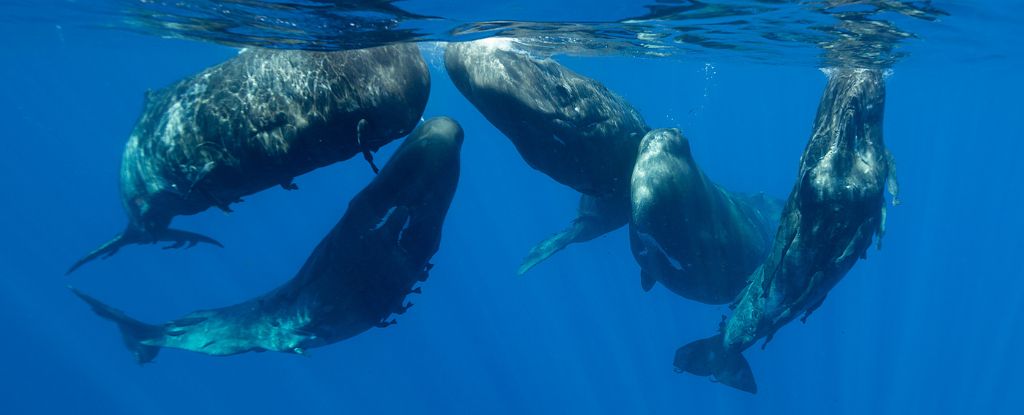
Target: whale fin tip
[548,247]
[104,251]
[179,238]
[133,332]
[646,281]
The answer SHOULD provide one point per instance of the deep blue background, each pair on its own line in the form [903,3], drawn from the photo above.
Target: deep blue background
[930,324]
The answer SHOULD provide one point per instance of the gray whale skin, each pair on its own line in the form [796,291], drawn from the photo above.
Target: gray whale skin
[833,214]
[570,127]
[694,237]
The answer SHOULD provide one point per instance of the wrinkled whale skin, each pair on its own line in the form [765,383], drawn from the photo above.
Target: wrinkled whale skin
[565,125]
[257,121]
[829,221]
[355,279]
[570,127]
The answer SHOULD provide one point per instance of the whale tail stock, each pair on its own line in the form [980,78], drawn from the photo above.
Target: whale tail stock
[133,332]
[130,236]
[708,357]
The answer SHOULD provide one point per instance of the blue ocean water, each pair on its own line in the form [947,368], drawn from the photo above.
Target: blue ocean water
[931,323]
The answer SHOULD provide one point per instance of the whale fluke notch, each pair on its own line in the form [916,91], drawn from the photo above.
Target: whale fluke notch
[708,357]
[179,239]
[133,332]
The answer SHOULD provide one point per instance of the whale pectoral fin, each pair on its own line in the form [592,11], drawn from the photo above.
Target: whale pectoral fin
[289,185]
[646,281]
[223,206]
[767,339]
[892,183]
[175,245]
[199,186]
[367,154]
[200,175]
[180,238]
[210,198]
[135,333]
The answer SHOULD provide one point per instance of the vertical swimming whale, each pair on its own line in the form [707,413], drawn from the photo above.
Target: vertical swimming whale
[694,237]
[354,280]
[257,121]
[832,216]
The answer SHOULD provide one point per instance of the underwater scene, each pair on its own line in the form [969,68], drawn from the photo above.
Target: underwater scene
[530,207]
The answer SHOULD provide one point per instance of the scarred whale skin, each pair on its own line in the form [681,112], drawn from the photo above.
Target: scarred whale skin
[689,234]
[257,121]
[355,279]
[833,214]
[570,127]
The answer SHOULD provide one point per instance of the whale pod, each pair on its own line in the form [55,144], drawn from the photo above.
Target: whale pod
[833,214]
[355,279]
[568,126]
[694,237]
[257,121]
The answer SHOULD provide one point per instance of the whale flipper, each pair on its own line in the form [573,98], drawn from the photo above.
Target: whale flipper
[178,238]
[134,332]
[646,281]
[708,357]
[191,238]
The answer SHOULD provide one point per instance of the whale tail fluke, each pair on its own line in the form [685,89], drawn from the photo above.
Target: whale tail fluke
[596,216]
[548,247]
[106,250]
[134,332]
[708,357]
[178,239]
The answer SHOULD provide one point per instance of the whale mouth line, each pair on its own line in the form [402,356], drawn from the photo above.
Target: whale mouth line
[650,241]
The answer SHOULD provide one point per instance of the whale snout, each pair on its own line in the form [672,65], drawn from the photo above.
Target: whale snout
[665,142]
[440,133]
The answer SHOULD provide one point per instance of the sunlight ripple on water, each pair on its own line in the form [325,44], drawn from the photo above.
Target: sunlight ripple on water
[868,33]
